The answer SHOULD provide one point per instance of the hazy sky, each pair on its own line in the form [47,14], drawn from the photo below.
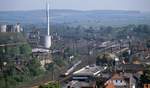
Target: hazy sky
[142,5]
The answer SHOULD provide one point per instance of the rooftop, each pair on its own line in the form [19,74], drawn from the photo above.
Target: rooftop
[79,84]
[130,67]
[88,71]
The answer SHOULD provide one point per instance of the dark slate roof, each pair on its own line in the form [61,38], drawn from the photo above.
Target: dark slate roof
[130,67]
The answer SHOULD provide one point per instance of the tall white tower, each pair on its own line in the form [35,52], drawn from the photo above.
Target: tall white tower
[48,22]
[47,39]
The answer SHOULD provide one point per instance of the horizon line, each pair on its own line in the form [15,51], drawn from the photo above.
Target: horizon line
[73,10]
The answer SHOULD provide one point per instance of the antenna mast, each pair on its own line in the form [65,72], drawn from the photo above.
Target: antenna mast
[48,18]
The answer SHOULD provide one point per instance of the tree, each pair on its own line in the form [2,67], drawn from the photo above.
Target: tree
[25,49]
[34,67]
[105,58]
[12,50]
[145,78]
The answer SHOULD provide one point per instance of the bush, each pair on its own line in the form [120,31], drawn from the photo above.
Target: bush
[34,67]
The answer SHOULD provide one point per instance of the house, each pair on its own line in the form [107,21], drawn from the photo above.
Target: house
[121,80]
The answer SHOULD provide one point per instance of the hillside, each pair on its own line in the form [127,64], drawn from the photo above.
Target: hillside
[6,38]
[75,17]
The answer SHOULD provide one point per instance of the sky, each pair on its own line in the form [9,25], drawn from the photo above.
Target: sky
[13,5]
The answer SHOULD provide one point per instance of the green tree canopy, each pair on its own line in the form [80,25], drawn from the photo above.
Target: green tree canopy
[105,58]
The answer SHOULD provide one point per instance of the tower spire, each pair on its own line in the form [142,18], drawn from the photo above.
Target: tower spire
[48,18]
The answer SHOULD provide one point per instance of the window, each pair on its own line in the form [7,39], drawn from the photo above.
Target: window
[120,81]
[116,81]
